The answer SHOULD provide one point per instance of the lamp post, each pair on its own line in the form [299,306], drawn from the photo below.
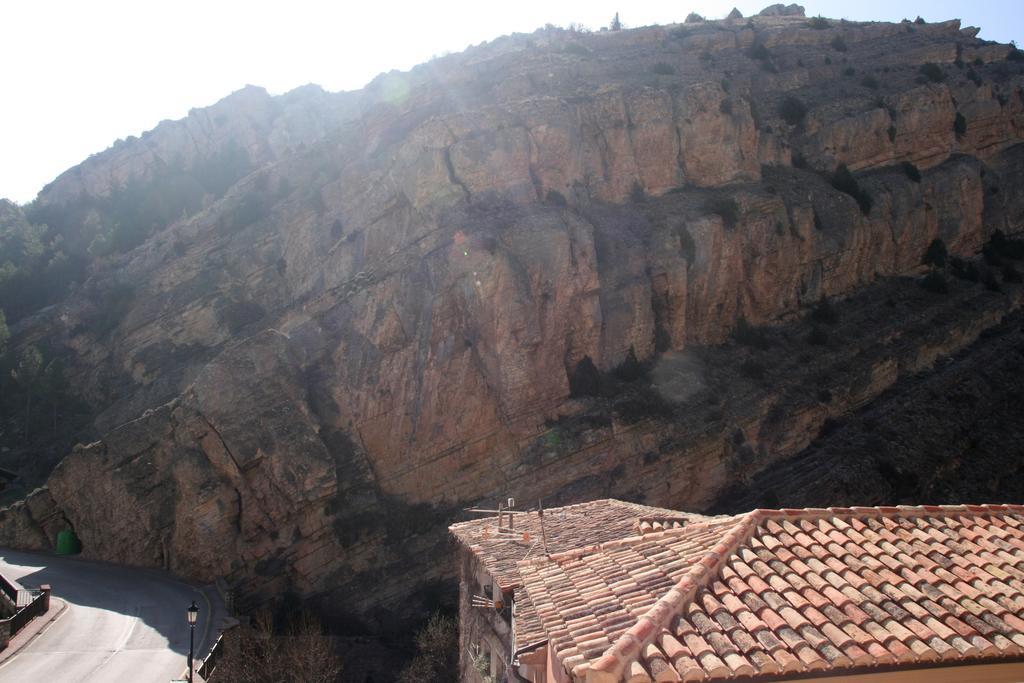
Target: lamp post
[193,615]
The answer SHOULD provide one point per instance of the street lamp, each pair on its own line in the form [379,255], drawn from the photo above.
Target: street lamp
[193,615]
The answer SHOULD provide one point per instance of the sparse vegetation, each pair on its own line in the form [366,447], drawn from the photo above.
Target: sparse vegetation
[577,49]
[693,18]
[792,110]
[437,651]
[820,23]
[839,45]
[870,82]
[263,652]
[663,69]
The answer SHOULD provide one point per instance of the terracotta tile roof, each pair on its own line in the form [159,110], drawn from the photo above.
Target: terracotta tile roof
[566,528]
[788,592]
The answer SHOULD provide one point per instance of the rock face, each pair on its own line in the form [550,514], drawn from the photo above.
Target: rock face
[381,323]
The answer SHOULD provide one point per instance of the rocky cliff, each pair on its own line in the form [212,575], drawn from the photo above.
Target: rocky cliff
[515,271]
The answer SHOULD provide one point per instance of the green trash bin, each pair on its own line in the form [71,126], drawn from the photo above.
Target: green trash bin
[68,543]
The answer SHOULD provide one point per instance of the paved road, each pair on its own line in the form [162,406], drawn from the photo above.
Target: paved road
[120,624]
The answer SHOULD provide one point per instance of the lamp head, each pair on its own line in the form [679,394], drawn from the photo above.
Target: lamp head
[193,613]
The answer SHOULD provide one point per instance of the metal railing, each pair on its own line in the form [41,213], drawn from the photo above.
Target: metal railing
[32,603]
[208,664]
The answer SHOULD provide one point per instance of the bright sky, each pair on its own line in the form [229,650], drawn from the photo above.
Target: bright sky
[77,75]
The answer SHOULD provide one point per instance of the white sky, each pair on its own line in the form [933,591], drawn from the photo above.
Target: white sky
[77,75]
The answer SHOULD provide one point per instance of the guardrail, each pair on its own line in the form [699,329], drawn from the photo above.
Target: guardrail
[208,664]
[37,605]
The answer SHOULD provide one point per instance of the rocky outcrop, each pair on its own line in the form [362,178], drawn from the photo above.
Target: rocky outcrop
[444,288]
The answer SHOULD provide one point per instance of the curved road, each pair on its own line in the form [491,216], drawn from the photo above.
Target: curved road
[120,624]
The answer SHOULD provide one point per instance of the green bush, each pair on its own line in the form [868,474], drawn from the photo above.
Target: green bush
[849,72]
[759,52]
[1015,55]
[557,198]
[577,49]
[933,72]
[839,45]
[844,181]
[819,23]
[663,69]
[792,110]
[870,82]
[693,18]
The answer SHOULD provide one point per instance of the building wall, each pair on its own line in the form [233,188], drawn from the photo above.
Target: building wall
[481,630]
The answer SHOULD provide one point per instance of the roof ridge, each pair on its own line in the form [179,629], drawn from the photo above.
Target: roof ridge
[574,553]
[610,665]
[886,510]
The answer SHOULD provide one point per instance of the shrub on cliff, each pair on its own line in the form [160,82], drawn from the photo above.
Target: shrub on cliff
[556,198]
[839,45]
[960,125]
[261,653]
[437,653]
[911,171]
[792,110]
[820,23]
[663,69]
[844,181]
[933,72]
[693,18]
[935,255]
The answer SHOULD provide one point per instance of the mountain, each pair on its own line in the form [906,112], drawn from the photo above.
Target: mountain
[303,332]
